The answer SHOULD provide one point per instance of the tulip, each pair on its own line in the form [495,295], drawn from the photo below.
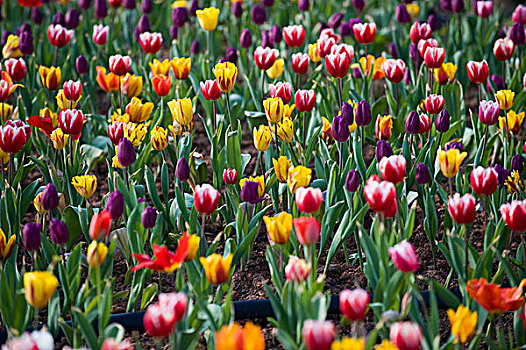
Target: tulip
[286,129]
[434,103]
[420,31]
[308,199]
[511,122]
[237,8]
[364,32]
[181,67]
[210,90]
[235,337]
[230,176]
[337,65]
[276,70]
[39,287]
[393,52]
[307,230]
[31,235]
[404,257]
[16,68]
[281,168]
[160,318]
[462,209]
[14,136]
[297,269]
[100,9]
[313,53]
[300,63]
[245,38]
[477,71]
[383,149]
[434,57]
[354,304]
[181,110]
[318,335]
[159,138]
[206,199]
[457,6]
[279,227]
[6,246]
[258,14]
[195,47]
[519,14]
[275,35]
[164,260]
[249,191]
[59,231]
[262,138]
[406,336]
[495,299]
[489,112]
[182,170]
[120,65]
[514,215]
[59,139]
[208,18]
[162,84]
[96,254]
[179,16]
[324,45]
[305,100]
[150,42]
[297,177]
[58,35]
[381,196]
[280,90]
[401,14]
[450,161]
[49,197]
[393,168]
[217,268]
[100,225]
[352,181]
[100,34]
[383,127]
[505,99]
[422,174]
[394,70]
[107,82]
[362,114]
[463,323]
[483,8]
[160,67]
[294,35]
[484,181]
[340,128]
[85,185]
[12,47]
[503,49]
[516,163]
[517,34]
[265,57]
[226,74]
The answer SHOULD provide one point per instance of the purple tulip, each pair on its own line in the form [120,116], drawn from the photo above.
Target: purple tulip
[149,217]
[363,113]
[245,38]
[147,6]
[443,121]
[179,16]
[49,197]
[182,170]
[401,14]
[115,205]
[237,8]
[84,4]
[422,174]
[26,43]
[101,9]
[516,163]
[412,123]
[125,152]
[517,34]
[81,64]
[258,14]
[31,236]
[345,29]
[383,149]
[275,35]
[36,15]
[250,192]
[58,231]
[352,181]
[195,47]
[72,18]
[335,20]
[303,5]
[340,129]
[359,5]
[231,55]
[129,4]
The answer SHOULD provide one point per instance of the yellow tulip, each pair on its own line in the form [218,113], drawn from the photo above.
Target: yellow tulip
[226,75]
[6,248]
[372,65]
[450,161]
[181,67]
[7,111]
[348,343]
[50,77]
[505,99]
[276,70]
[85,185]
[287,110]
[298,176]
[37,203]
[286,130]
[64,103]
[445,74]
[326,131]
[384,124]
[413,10]
[160,67]
[217,268]
[193,247]
[131,85]
[59,139]
[262,138]
[138,111]
[11,48]
[96,254]
[236,337]
[159,138]
[514,122]
[313,53]
[385,345]
[135,133]
[39,287]
[181,110]
[259,179]
[279,227]
[118,117]
[179,3]
[463,323]
[273,109]
[281,168]
[208,18]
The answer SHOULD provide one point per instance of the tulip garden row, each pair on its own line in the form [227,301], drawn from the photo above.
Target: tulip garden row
[145,147]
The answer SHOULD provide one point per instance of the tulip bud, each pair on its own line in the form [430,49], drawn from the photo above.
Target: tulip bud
[36,15]
[363,113]
[231,55]
[100,225]
[443,120]
[462,209]
[179,16]
[502,174]
[308,200]
[422,174]
[407,77]
[516,163]
[335,20]
[26,43]
[246,37]
[49,197]
[147,6]
[195,47]
[39,287]
[303,5]
[401,14]
[265,39]
[484,181]
[101,9]
[81,64]
[31,236]
[393,51]
[84,4]
[115,205]
[404,257]
[144,24]
[230,176]
[59,231]
[318,335]
[96,254]
[412,123]
[297,269]
[258,14]
[182,170]
[340,129]
[383,149]
[275,35]
[345,29]
[237,8]
[352,181]
[72,19]
[125,152]
[173,32]
[393,168]
[514,215]
[149,217]
[517,34]
[307,230]
[354,304]
[457,6]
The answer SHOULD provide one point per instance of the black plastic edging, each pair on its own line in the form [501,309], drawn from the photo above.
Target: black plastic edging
[243,310]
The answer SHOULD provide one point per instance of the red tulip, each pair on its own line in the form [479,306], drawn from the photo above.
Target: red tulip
[72,90]
[100,34]
[160,318]
[364,32]
[14,135]
[354,304]
[210,90]
[120,65]
[115,3]
[281,90]
[318,335]
[420,31]
[404,257]
[163,260]
[162,84]
[484,181]
[381,196]
[424,44]
[503,49]
[230,176]
[16,68]
[514,215]
[305,100]
[477,71]
[337,65]
[265,57]
[116,132]
[307,229]
[308,199]
[151,42]
[462,209]
[206,199]
[434,57]
[100,225]
[59,36]
[425,124]
[326,41]
[489,112]
[519,15]
[343,48]
[294,36]
[406,336]
[394,70]
[71,121]
[484,8]
[393,168]
[435,103]
[300,63]
[7,87]
[297,269]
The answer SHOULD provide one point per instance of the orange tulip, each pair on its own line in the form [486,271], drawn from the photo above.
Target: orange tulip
[161,84]
[493,298]
[107,82]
